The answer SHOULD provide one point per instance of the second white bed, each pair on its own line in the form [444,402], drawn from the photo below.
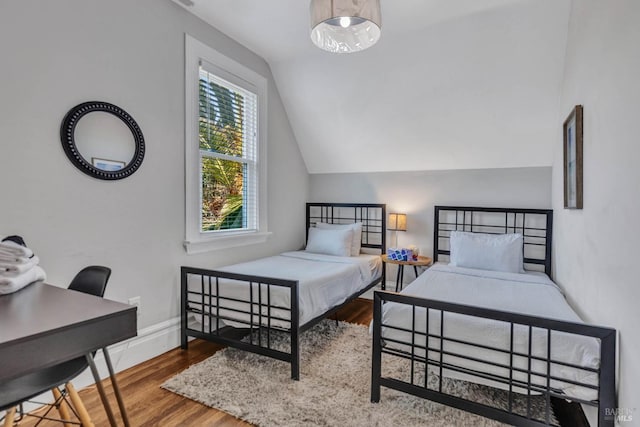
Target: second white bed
[529,294]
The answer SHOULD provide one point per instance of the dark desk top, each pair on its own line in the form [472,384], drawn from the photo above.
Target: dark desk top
[42,325]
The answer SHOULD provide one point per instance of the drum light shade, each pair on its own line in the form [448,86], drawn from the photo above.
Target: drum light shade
[397,222]
[345,26]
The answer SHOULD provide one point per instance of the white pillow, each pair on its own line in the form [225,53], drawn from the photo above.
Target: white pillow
[329,242]
[356,227]
[497,252]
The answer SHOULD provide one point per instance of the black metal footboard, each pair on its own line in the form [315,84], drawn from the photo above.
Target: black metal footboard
[522,375]
[244,321]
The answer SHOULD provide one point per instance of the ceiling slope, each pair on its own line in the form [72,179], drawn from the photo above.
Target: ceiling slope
[450,85]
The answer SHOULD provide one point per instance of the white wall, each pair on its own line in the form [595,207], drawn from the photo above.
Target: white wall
[475,90]
[416,193]
[54,55]
[596,249]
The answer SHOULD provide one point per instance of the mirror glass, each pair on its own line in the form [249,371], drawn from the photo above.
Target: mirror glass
[104,141]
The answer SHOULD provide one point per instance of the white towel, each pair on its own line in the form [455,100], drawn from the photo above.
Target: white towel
[18,267]
[15,283]
[13,259]
[12,248]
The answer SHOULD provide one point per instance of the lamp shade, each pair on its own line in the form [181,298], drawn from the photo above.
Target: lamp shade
[345,26]
[397,222]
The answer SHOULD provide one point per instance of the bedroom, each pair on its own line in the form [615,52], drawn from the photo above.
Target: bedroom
[517,88]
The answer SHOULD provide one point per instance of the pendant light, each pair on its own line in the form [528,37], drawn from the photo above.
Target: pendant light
[345,26]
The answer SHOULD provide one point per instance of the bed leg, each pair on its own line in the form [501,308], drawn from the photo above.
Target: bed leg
[295,371]
[295,359]
[376,360]
[295,334]
[607,394]
[183,308]
[375,387]
[295,354]
[184,343]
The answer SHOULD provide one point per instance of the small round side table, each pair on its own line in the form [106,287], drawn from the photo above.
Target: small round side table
[422,261]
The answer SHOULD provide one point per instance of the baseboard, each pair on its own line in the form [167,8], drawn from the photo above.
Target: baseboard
[149,343]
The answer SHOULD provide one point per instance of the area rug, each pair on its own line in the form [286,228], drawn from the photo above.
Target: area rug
[334,389]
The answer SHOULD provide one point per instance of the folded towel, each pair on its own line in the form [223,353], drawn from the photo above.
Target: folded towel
[13,259]
[13,268]
[12,248]
[15,283]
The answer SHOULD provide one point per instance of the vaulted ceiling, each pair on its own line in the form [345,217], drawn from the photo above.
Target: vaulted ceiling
[451,84]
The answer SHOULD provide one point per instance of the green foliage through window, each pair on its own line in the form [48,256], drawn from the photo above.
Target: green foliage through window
[222,132]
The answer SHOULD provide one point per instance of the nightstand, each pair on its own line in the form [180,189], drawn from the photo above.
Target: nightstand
[422,261]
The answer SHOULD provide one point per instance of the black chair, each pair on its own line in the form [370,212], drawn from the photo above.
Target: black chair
[90,280]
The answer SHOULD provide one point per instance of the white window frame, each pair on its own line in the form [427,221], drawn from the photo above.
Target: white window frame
[197,241]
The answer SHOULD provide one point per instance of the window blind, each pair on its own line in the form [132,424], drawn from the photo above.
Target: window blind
[228,130]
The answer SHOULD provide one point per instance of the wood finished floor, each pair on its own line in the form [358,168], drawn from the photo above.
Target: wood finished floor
[149,405]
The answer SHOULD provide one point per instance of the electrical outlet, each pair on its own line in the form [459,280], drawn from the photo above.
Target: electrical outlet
[135,301]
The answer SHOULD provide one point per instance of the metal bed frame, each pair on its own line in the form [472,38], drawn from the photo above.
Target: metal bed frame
[255,335]
[430,355]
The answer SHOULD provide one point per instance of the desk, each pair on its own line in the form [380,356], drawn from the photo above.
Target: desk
[422,261]
[43,325]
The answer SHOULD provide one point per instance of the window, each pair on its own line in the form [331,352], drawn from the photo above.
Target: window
[228,118]
[225,151]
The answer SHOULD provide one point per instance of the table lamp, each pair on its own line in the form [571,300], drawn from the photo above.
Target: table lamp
[397,222]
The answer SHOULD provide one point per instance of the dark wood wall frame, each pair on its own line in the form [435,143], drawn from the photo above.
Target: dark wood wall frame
[577,115]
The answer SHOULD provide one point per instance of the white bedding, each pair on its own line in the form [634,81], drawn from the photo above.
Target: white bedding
[529,294]
[324,282]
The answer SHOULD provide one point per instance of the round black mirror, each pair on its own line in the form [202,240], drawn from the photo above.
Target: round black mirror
[106,144]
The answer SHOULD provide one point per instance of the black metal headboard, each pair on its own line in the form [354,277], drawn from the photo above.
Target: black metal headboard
[536,225]
[373,217]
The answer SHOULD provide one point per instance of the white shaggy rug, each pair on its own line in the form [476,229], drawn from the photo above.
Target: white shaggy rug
[334,389]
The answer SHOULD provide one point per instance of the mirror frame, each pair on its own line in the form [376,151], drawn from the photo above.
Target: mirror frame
[67,131]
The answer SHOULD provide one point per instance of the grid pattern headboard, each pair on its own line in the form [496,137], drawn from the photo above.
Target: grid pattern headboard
[536,225]
[372,216]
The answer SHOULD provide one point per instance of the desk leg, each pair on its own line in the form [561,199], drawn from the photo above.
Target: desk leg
[103,395]
[116,389]
[415,270]
[9,417]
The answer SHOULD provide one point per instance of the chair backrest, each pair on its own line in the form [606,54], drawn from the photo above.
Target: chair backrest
[91,280]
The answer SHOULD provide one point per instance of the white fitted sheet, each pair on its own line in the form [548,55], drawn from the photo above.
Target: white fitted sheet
[325,281]
[529,294]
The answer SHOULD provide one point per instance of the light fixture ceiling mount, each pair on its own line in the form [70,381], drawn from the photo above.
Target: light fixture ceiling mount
[345,26]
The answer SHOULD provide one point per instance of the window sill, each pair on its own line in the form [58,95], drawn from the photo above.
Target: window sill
[216,243]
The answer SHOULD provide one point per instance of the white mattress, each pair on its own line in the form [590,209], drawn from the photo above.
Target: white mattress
[529,294]
[324,282]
